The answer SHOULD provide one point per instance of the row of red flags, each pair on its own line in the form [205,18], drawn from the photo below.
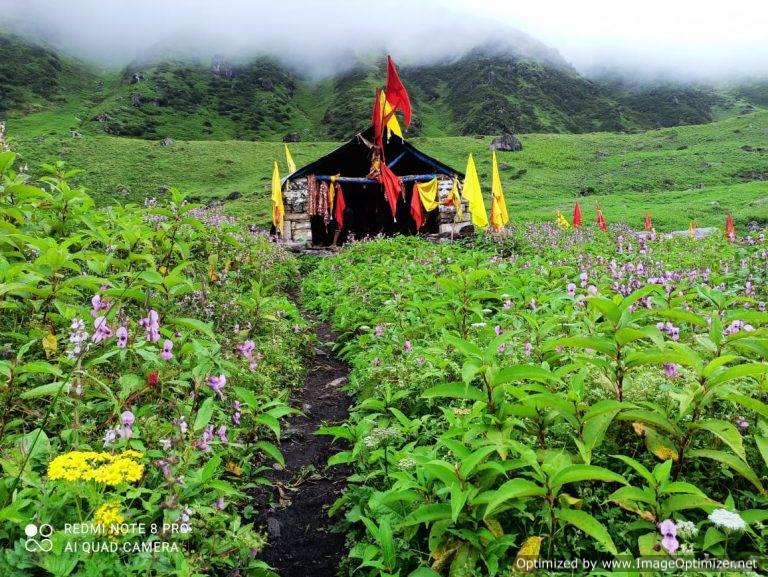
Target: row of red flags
[730,229]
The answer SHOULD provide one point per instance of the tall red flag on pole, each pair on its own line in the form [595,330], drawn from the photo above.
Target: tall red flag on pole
[577,215]
[648,223]
[730,230]
[397,95]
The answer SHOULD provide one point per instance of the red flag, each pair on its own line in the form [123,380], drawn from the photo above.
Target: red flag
[396,92]
[730,230]
[392,187]
[577,215]
[417,211]
[648,223]
[601,219]
[338,210]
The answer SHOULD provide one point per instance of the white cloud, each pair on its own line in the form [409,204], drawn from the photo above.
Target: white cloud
[681,36]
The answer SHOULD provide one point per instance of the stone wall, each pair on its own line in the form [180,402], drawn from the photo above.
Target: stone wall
[296,199]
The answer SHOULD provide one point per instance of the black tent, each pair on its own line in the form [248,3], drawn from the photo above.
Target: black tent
[364,196]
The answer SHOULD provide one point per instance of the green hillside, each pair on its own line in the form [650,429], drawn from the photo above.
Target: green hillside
[679,173]
[484,92]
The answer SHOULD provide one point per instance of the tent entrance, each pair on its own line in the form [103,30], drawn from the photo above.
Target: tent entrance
[368,214]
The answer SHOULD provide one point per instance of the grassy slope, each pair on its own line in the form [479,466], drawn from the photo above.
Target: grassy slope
[675,172]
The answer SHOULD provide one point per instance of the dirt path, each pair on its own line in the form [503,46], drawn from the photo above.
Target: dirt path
[301,542]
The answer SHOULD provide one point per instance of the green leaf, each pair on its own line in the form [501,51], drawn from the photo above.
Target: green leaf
[589,525]
[513,489]
[250,399]
[639,468]
[738,372]
[732,461]
[427,514]
[686,501]
[204,414]
[271,451]
[606,307]
[518,373]
[194,324]
[726,432]
[577,473]
[454,391]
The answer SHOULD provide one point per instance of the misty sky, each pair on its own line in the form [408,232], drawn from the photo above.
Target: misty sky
[687,38]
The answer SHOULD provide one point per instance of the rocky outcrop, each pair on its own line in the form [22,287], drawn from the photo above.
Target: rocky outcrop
[507,142]
[292,137]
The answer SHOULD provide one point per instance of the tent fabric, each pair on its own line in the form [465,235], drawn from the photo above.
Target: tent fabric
[353,159]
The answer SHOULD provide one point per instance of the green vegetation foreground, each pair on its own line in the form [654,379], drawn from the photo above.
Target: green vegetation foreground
[555,395]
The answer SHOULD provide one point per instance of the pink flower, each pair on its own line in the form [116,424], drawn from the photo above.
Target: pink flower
[528,349]
[219,504]
[670,369]
[571,289]
[502,347]
[498,330]
[167,348]
[102,332]
[217,383]
[122,337]
[407,346]
[742,423]
[152,323]
[98,305]
[669,532]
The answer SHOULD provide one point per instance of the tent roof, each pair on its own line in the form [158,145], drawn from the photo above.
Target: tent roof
[353,159]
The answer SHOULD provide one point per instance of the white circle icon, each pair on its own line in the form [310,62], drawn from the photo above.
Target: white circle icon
[30,530]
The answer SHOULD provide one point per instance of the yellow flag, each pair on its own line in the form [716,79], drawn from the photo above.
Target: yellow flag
[454,199]
[393,126]
[278,210]
[474,196]
[428,194]
[562,223]
[289,161]
[499,214]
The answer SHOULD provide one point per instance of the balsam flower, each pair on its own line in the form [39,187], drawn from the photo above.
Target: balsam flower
[167,353]
[122,337]
[217,383]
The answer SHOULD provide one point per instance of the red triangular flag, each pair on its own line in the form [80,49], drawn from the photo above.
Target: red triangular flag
[338,210]
[648,223]
[397,95]
[417,210]
[730,230]
[601,219]
[577,215]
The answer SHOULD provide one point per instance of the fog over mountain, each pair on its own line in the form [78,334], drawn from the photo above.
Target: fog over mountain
[682,39]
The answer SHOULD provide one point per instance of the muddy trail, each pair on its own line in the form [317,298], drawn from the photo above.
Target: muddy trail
[301,540]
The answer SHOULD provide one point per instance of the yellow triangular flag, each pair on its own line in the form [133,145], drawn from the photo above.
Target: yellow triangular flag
[455,199]
[473,195]
[289,161]
[278,210]
[393,126]
[499,214]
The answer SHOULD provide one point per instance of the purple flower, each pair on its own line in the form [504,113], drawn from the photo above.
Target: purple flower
[742,423]
[237,414]
[507,304]
[407,346]
[583,277]
[203,443]
[221,432]
[502,347]
[379,330]
[122,337]
[152,323]
[246,349]
[98,305]
[102,332]
[167,348]
[217,383]
[126,429]
[571,289]
[498,330]
[528,349]
[219,504]
[592,290]
[668,530]
[181,423]
[670,369]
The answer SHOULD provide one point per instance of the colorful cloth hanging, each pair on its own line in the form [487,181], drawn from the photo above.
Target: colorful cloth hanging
[338,210]
[454,199]
[648,223]
[730,230]
[428,194]
[392,187]
[417,210]
[577,215]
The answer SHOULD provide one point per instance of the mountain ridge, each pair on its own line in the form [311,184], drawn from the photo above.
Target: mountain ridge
[487,90]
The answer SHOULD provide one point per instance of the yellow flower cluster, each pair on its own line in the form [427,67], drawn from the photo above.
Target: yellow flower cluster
[108,514]
[103,468]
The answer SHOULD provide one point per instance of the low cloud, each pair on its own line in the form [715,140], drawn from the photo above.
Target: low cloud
[678,38]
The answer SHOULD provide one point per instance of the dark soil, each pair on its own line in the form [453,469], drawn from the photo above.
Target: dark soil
[301,540]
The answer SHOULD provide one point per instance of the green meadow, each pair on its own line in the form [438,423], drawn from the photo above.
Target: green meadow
[689,172]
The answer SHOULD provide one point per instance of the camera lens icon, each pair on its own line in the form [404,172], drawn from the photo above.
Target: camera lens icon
[43,544]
